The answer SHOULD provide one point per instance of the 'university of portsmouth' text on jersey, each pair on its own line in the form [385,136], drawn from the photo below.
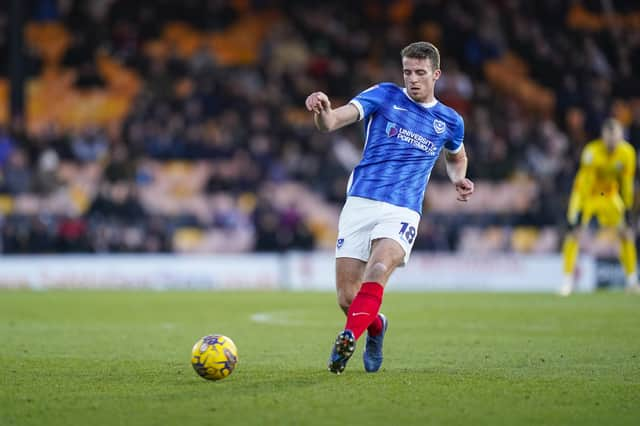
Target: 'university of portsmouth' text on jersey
[403,139]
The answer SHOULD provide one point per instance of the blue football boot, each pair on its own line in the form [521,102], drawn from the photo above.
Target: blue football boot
[372,355]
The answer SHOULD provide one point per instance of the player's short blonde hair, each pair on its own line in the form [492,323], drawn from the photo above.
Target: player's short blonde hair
[422,50]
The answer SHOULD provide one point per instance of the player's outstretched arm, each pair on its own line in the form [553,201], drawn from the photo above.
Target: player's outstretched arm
[326,118]
[457,171]
[585,177]
[628,178]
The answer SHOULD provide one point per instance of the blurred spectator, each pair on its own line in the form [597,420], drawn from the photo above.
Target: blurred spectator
[40,239]
[89,145]
[46,179]
[215,132]
[72,235]
[17,173]
[6,147]
[117,202]
[634,128]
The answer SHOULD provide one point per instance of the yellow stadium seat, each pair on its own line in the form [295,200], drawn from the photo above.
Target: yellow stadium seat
[79,198]
[524,239]
[187,239]
[6,204]
[247,202]
[49,39]
[4,101]
[509,75]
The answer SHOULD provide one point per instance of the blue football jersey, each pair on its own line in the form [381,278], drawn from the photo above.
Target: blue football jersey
[403,140]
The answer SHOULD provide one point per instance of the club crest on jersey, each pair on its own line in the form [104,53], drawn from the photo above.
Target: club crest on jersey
[439,126]
[392,129]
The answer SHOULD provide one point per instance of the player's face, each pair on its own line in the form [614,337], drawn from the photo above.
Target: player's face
[612,136]
[419,78]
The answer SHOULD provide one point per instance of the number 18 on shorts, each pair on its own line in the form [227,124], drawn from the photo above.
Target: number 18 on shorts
[363,221]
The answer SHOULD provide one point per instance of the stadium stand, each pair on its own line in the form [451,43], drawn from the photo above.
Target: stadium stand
[155,128]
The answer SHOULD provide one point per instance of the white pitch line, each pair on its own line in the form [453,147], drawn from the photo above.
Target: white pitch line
[168,326]
[274,318]
[285,318]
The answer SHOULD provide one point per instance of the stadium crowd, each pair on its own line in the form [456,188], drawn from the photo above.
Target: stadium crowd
[214,151]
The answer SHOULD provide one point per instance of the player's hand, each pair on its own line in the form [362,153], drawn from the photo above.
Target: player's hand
[464,188]
[318,102]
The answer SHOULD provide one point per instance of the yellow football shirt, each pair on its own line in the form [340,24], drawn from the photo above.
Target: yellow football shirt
[604,173]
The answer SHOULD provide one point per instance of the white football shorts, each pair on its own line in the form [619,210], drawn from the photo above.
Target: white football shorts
[363,220]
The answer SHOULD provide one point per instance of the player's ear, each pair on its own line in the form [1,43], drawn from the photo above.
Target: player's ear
[436,74]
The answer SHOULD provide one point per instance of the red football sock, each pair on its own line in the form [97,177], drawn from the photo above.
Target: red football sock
[364,308]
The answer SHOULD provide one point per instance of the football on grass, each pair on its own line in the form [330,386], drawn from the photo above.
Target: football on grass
[214,357]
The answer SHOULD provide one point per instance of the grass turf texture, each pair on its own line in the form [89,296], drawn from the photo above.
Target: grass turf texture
[109,358]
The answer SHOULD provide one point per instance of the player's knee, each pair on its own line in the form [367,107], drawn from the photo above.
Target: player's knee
[626,233]
[573,233]
[573,229]
[575,223]
[577,232]
[377,272]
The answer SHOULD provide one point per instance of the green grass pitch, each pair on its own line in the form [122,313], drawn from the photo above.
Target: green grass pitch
[122,358]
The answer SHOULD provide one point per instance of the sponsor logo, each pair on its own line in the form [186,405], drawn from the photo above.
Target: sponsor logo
[415,139]
[340,243]
[439,126]
[399,108]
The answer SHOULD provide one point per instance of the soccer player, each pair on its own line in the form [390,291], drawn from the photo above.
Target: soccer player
[405,130]
[603,188]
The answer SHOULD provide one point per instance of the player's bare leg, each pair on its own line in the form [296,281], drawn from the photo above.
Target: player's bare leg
[629,259]
[349,274]
[363,307]
[570,251]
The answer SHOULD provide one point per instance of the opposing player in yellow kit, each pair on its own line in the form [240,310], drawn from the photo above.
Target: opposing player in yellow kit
[603,187]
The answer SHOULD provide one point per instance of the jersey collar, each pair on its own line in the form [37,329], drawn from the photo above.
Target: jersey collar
[424,104]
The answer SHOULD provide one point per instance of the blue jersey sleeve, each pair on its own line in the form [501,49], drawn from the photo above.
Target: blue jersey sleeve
[454,144]
[368,101]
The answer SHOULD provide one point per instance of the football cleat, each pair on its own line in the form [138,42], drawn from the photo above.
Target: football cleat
[568,285]
[372,355]
[633,288]
[342,350]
